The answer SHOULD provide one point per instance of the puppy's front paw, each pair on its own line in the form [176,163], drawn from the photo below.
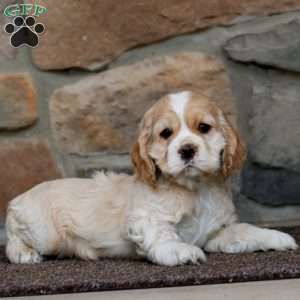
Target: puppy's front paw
[245,238]
[176,253]
[280,241]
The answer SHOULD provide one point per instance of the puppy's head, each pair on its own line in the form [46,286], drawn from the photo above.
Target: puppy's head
[186,136]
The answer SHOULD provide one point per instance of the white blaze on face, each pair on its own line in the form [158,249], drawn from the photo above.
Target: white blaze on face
[207,156]
[178,104]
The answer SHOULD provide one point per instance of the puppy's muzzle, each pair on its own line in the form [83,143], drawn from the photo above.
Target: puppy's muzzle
[187,152]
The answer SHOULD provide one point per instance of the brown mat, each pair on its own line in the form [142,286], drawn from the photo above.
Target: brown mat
[67,276]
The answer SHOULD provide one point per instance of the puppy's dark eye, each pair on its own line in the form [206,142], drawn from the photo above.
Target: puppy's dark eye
[166,133]
[204,128]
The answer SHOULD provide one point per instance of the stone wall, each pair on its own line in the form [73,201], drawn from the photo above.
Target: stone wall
[72,105]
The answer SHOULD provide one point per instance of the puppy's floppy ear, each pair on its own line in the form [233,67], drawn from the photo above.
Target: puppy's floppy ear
[144,166]
[234,153]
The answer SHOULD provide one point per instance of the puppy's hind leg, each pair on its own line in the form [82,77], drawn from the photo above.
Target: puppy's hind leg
[242,237]
[18,253]
[16,249]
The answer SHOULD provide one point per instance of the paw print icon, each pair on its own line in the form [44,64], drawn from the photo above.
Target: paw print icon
[24,31]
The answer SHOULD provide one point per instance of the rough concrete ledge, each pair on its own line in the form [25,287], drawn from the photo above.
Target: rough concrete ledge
[72,276]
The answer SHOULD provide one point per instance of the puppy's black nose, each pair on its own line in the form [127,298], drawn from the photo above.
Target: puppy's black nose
[187,152]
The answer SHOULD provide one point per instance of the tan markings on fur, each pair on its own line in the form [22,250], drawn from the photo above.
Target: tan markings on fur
[143,165]
[202,109]
[235,150]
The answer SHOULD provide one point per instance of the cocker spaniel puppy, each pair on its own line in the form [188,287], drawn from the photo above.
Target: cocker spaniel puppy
[176,205]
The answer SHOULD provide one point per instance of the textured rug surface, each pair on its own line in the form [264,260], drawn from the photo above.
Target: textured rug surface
[70,275]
